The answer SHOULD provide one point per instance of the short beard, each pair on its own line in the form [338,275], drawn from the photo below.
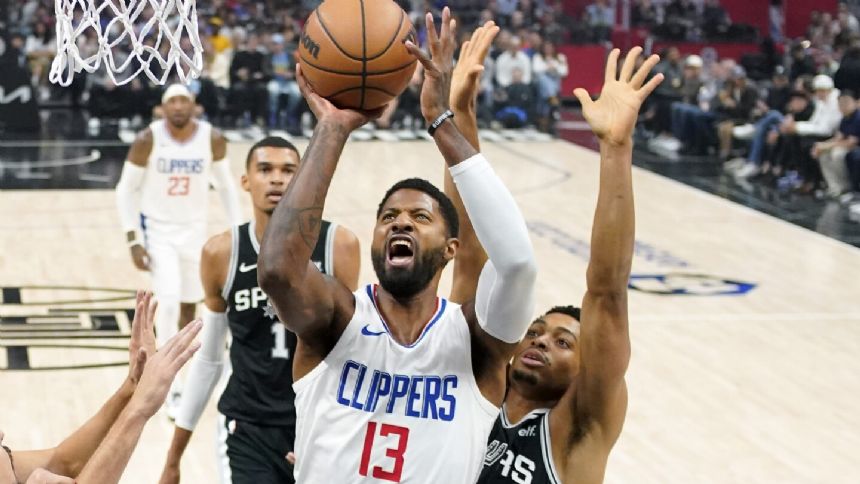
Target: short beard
[402,283]
[523,377]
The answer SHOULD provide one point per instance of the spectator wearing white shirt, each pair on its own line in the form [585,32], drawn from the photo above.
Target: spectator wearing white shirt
[513,58]
[549,67]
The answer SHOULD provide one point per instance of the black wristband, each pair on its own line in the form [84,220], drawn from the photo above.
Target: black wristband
[438,121]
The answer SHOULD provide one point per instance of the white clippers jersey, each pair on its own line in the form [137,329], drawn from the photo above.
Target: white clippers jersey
[377,411]
[176,185]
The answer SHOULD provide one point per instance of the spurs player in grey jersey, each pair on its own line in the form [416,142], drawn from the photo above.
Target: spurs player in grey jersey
[567,397]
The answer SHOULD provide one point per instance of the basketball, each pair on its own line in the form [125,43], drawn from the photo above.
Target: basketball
[352,52]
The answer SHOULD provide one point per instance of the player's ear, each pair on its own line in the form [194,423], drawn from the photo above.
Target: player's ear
[246,185]
[451,247]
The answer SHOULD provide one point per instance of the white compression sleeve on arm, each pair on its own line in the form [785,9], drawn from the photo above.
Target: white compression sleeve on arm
[505,300]
[205,369]
[126,195]
[226,186]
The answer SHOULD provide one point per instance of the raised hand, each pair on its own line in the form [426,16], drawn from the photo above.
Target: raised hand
[438,67]
[324,110]
[613,116]
[141,345]
[466,80]
[161,369]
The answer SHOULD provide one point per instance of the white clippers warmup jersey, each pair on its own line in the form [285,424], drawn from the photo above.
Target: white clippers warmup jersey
[377,411]
[176,185]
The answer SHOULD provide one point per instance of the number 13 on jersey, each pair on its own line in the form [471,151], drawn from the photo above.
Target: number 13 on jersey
[396,453]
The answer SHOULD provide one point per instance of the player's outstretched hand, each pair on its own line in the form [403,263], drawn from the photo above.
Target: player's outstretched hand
[142,341]
[613,116]
[466,80]
[438,67]
[324,110]
[162,367]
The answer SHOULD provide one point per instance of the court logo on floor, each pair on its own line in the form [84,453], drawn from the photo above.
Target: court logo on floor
[64,328]
[678,284]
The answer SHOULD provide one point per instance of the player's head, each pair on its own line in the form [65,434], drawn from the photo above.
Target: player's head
[7,471]
[269,169]
[547,359]
[178,104]
[415,236]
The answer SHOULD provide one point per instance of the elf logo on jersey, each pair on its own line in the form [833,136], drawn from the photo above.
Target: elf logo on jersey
[531,431]
[676,284]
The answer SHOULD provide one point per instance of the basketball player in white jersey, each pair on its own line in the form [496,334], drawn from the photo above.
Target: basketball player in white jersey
[393,383]
[567,398]
[163,198]
[257,427]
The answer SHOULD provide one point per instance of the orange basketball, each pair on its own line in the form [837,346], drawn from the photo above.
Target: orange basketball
[352,52]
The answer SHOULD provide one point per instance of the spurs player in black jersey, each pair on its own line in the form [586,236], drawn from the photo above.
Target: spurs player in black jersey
[257,413]
[567,397]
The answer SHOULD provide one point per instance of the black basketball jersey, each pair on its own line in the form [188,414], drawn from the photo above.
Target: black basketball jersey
[260,385]
[520,453]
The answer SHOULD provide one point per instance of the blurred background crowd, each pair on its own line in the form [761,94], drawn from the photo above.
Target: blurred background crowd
[783,112]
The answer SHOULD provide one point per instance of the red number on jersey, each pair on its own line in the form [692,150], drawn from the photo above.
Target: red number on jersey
[402,434]
[178,185]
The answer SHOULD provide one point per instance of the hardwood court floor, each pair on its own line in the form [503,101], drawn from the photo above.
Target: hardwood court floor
[745,329]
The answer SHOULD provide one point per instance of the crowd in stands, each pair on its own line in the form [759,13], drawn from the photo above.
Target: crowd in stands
[794,125]
[249,63]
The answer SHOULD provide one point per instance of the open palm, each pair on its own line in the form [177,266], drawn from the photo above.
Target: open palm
[613,115]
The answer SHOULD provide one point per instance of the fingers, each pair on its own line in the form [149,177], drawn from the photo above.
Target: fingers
[612,66]
[422,57]
[583,96]
[447,25]
[182,339]
[648,88]
[475,72]
[304,86]
[629,63]
[291,458]
[465,51]
[488,35]
[644,70]
[432,37]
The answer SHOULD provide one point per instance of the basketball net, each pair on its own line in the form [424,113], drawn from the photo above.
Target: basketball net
[155,37]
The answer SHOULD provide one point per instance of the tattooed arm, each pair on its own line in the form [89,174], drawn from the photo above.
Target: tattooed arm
[315,307]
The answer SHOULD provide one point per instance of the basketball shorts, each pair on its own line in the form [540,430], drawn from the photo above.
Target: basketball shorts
[174,251]
[253,454]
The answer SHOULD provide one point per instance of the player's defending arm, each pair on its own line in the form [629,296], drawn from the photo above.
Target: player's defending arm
[207,364]
[601,393]
[316,308]
[224,180]
[70,457]
[505,295]
[128,195]
[110,459]
[465,83]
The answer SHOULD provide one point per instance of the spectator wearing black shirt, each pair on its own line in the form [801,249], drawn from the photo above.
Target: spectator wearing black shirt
[848,74]
[643,14]
[802,63]
[248,77]
[715,20]
[515,102]
[735,105]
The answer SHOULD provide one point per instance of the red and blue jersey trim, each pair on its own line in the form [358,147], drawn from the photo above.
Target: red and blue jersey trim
[441,304]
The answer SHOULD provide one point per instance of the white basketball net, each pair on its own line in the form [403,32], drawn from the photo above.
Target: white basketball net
[155,37]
